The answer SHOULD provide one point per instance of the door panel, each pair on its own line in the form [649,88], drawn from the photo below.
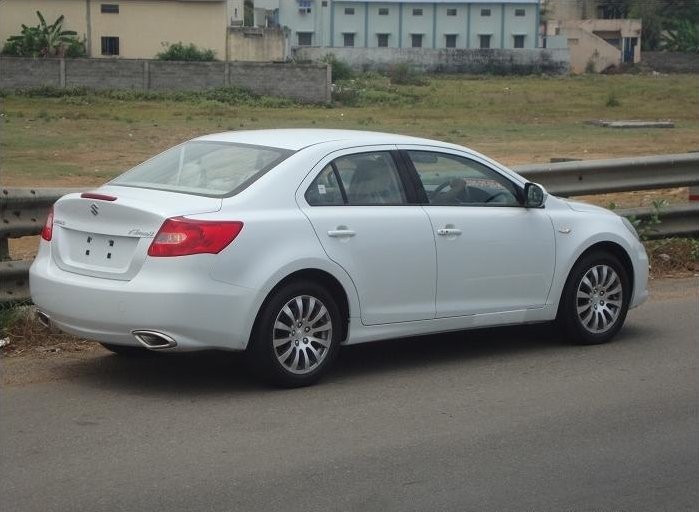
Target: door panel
[385,245]
[493,255]
[502,259]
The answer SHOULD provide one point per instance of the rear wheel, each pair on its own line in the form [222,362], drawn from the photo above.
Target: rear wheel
[126,350]
[296,336]
[595,299]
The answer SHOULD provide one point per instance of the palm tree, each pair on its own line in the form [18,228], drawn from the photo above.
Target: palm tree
[43,40]
[52,37]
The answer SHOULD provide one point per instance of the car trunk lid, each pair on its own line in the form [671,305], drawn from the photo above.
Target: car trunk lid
[107,238]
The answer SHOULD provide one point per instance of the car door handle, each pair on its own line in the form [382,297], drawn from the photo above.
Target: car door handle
[339,233]
[448,231]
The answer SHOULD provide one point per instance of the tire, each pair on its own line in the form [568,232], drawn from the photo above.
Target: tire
[126,350]
[595,299]
[283,349]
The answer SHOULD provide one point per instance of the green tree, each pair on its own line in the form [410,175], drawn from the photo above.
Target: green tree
[42,40]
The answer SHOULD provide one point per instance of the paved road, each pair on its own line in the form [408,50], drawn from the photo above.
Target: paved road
[509,419]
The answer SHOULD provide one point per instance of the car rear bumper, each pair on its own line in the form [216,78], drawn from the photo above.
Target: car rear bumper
[188,307]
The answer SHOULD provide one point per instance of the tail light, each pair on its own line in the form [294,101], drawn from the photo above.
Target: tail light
[47,231]
[180,236]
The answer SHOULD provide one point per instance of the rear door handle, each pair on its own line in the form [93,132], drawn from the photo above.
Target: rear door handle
[448,231]
[339,233]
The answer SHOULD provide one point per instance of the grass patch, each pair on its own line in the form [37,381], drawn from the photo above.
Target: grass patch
[23,334]
[673,255]
[85,137]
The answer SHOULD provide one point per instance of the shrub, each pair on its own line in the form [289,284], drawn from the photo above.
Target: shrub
[186,52]
[612,100]
[340,69]
[405,74]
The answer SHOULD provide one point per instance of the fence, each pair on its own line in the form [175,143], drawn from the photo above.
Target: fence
[309,83]
[23,211]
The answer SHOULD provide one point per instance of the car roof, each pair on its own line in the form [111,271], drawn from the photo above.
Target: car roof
[299,138]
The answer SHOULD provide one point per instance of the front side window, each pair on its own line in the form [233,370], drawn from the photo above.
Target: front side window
[214,169]
[451,180]
[417,12]
[485,41]
[519,42]
[349,11]
[348,40]
[451,12]
[520,12]
[485,12]
[450,40]
[109,8]
[382,40]
[383,11]
[416,40]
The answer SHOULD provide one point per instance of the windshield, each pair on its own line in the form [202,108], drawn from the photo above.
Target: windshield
[214,169]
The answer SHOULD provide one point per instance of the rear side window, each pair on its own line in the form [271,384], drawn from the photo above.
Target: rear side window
[325,189]
[362,179]
[214,169]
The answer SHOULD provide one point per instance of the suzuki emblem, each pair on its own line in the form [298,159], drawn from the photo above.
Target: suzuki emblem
[94,209]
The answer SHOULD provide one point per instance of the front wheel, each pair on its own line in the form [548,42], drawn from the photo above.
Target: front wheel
[595,299]
[297,334]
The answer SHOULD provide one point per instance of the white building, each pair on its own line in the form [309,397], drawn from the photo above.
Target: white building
[404,24]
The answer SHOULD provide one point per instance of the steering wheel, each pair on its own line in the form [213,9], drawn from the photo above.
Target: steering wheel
[497,194]
[462,196]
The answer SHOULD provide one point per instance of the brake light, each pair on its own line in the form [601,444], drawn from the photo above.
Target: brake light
[99,197]
[180,236]
[47,231]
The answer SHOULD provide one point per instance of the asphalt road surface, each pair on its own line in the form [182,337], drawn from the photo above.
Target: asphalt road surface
[503,419]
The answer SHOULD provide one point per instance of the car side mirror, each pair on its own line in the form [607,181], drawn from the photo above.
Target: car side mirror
[534,195]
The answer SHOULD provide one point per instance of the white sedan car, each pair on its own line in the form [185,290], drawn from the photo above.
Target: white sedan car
[290,243]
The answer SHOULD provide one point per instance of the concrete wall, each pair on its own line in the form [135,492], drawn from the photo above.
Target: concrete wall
[302,82]
[19,73]
[588,49]
[672,62]
[142,26]
[521,61]
[257,44]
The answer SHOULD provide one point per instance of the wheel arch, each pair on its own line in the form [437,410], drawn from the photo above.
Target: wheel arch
[604,246]
[323,278]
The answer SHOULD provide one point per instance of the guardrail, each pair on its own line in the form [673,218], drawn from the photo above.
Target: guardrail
[23,210]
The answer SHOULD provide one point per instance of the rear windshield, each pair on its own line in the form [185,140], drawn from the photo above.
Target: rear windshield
[214,169]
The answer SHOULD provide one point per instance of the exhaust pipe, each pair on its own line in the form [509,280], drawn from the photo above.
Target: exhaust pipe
[154,340]
[43,319]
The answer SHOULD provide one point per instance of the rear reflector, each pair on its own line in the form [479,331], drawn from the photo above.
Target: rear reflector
[47,231]
[180,236]
[99,197]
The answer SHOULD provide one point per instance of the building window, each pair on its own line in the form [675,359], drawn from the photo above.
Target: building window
[110,46]
[305,38]
[348,39]
[520,12]
[519,41]
[417,12]
[485,12]
[349,11]
[450,40]
[383,11]
[324,3]
[109,9]
[416,40]
[382,40]
[451,12]
[485,40]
